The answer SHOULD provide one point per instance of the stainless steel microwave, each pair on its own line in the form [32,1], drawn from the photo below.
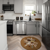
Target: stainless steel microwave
[8,7]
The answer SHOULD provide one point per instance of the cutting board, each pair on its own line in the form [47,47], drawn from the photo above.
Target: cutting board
[38,18]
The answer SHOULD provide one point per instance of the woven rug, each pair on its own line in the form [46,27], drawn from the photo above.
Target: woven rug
[30,43]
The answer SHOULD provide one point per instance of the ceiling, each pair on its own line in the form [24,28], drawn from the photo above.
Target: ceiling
[30,1]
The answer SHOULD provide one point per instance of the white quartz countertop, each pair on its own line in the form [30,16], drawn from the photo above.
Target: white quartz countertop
[30,21]
[2,21]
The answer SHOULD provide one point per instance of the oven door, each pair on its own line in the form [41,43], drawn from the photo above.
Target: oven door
[10,29]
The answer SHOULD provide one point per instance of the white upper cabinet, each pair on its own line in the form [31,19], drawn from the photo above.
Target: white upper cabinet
[39,6]
[5,1]
[45,1]
[10,1]
[0,6]
[18,6]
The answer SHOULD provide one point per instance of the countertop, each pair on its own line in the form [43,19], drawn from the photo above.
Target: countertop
[26,20]
[21,20]
[39,21]
[2,21]
[29,21]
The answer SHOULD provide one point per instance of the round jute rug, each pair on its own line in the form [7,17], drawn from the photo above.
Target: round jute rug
[30,43]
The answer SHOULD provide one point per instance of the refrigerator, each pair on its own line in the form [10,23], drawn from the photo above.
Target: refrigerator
[46,24]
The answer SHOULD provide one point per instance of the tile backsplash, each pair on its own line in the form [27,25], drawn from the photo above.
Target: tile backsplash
[12,15]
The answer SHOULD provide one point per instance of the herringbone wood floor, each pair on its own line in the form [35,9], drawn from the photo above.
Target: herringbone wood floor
[14,42]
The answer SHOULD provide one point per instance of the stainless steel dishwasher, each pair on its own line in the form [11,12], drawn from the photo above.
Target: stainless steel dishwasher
[21,28]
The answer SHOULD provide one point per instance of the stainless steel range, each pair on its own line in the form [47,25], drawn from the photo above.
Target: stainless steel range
[10,27]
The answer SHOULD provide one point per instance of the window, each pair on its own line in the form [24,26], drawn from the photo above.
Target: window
[29,9]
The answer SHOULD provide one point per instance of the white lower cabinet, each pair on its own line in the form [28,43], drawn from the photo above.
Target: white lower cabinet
[39,28]
[31,28]
[3,36]
[34,28]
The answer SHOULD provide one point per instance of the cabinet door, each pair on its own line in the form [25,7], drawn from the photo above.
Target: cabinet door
[5,1]
[31,29]
[18,6]
[1,6]
[39,6]
[11,1]
[39,29]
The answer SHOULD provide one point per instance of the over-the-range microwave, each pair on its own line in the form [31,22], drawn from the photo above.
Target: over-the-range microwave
[8,7]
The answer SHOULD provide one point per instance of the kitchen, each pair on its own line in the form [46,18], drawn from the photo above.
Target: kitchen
[21,20]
